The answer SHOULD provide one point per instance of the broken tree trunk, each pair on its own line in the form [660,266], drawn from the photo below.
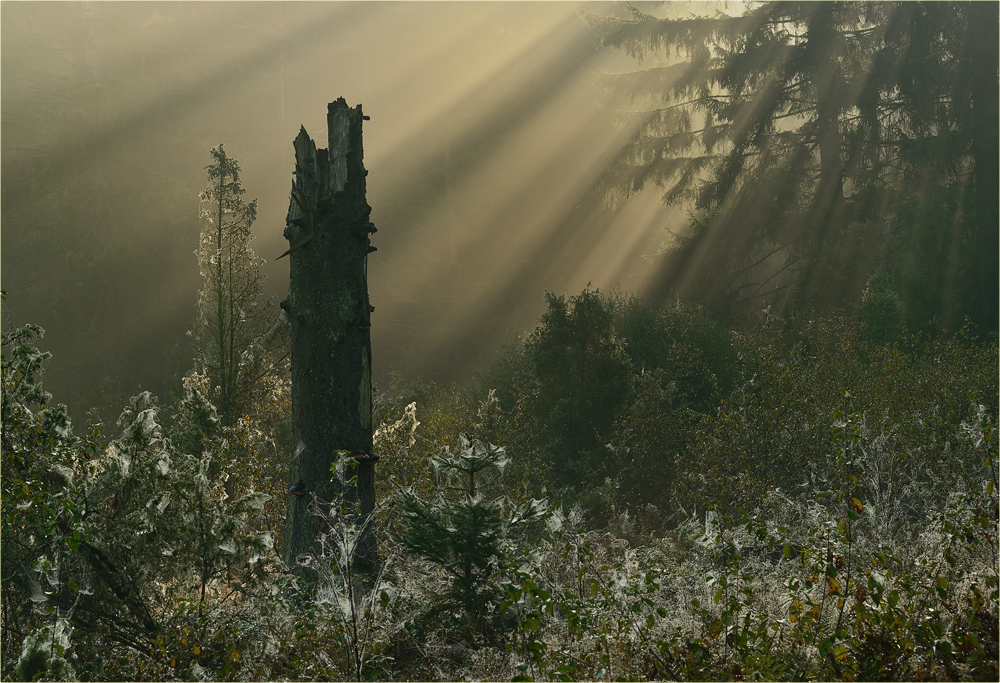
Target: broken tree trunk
[328,230]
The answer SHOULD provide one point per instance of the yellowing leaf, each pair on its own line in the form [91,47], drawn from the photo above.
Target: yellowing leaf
[833,584]
[856,504]
[794,610]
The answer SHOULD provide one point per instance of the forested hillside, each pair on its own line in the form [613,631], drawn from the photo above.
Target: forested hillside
[768,453]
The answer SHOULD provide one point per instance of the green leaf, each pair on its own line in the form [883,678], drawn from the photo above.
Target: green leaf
[941,585]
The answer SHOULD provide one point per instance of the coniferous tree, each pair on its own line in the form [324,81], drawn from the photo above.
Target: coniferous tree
[236,336]
[464,532]
[812,139]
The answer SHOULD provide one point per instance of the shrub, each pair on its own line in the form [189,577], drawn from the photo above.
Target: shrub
[584,380]
[882,313]
[695,354]
[779,427]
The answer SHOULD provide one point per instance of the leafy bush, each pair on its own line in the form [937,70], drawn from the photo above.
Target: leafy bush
[695,354]
[601,397]
[584,378]
[779,427]
[43,513]
[866,549]
[104,543]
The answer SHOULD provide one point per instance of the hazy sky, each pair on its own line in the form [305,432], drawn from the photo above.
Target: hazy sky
[488,128]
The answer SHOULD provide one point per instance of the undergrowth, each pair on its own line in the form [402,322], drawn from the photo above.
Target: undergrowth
[798,504]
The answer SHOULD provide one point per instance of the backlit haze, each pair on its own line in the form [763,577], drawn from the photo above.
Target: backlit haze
[487,132]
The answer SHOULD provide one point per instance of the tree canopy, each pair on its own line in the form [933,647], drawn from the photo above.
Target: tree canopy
[814,142]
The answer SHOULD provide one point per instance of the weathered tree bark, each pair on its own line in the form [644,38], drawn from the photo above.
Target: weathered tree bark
[328,309]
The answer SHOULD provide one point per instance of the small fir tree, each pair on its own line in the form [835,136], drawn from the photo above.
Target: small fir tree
[881,312]
[465,533]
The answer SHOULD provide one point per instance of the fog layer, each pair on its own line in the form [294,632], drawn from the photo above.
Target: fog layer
[486,136]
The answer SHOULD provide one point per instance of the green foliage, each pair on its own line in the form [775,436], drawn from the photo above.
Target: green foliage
[43,654]
[509,374]
[464,533]
[249,455]
[193,536]
[779,428]
[695,353]
[584,378]
[809,138]
[43,512]
[653,433]
[868,549]
[72,516]
[237,339]
[828,602]
[882,313]
[612,385]
[582,608]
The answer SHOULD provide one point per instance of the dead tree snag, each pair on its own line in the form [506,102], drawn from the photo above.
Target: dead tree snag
[328,229]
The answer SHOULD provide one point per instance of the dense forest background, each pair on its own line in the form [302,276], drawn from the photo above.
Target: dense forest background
[685,342]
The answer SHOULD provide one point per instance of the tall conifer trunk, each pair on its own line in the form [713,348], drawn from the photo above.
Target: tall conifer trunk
[329,313]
